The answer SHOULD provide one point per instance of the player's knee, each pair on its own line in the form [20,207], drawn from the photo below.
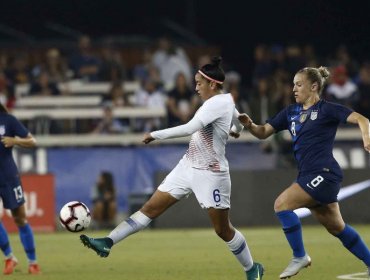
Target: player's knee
[20,221]
[334,228]
[279,205]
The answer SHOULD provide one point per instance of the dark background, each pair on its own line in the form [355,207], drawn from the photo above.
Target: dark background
[235,26]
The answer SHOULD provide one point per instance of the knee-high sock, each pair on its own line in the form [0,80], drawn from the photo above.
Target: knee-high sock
[353,242]
[293,231]
[26,236]
[4,241]
[134,223]
[240,249]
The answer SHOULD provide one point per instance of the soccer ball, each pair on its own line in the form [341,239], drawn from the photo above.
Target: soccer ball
[75,216]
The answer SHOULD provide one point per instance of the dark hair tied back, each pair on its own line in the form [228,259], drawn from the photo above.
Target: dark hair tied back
[216,61]
[214,70]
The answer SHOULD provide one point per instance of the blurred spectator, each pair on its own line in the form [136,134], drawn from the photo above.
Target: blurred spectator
[309,55]
[277,53]
[233,85]
[343,57]
[141,71]
[182,102]
[117,96]
[54,65]
[294,59]
[261,102]
[160,54]
[341,89]
[363,107]
[149,96]
[171,60]
[84,63]
[282,142]
[263,67]
[43,86]
[19,71]
[111,68]
[109,124]
[7,95]
[103,197]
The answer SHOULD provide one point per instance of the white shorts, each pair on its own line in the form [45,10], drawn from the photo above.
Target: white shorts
[212,189]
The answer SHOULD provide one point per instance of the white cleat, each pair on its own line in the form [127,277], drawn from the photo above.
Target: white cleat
[295,266]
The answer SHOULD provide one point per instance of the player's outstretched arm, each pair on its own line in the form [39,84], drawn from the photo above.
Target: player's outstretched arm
[364,125]
[259,131]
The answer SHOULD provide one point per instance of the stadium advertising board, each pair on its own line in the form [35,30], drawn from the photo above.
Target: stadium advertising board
[40,204]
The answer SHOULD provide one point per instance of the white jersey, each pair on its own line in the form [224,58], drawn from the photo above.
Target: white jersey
[210,129]
[207,145]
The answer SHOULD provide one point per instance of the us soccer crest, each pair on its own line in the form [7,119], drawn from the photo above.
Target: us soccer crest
[314,115]
[2,130]
[303,117]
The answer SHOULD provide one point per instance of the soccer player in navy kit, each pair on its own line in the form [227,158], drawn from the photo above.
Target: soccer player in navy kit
[312,123]
[13,133]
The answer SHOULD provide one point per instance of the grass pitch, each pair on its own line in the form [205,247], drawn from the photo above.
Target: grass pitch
[198,254]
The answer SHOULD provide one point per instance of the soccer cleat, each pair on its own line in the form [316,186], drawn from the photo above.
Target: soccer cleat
[34,269]
[10,264]
[100,245]
[256,272]
[295,265]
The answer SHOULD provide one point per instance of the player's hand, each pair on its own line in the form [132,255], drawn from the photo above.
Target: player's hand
[148,138]
[8,141]
[234,134]
[245,120]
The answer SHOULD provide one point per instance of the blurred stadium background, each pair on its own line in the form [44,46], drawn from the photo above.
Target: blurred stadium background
[65,67]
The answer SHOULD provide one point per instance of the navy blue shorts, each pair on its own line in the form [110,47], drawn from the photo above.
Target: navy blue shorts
[11,193]
[323,187]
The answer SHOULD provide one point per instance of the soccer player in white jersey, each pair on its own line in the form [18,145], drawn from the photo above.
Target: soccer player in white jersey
[203,170]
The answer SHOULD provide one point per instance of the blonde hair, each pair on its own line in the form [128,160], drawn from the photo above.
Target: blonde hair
[318,75]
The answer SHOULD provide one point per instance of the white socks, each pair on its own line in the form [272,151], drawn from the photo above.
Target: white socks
[240,249]
[134,223]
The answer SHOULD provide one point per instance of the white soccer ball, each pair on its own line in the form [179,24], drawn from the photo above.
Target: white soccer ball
[75,216]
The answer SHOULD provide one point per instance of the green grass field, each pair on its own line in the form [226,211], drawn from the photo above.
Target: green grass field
[185,254]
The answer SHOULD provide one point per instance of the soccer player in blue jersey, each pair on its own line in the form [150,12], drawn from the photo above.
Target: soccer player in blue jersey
[13,133]
[312,123]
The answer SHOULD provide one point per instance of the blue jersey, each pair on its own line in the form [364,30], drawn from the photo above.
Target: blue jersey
[9,126]
[313,132]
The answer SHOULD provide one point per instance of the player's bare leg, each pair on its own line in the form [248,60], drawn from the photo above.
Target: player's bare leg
[236,242]
[154,207]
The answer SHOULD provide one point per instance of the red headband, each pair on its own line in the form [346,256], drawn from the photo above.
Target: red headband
[209,78]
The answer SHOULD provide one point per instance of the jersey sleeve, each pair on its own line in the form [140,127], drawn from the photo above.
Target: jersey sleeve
[279,121]
[17,128]
[179,131]
[237,127]
[339,112]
